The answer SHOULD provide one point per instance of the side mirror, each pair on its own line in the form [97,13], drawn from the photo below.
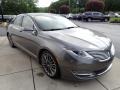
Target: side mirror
[34,27]
[34,32]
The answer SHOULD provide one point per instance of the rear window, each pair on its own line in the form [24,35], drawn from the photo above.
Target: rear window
[97,13]
[18,20]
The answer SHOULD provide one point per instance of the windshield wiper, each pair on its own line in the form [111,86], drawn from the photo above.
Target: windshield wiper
[70,27]
[54,29]
[59,29]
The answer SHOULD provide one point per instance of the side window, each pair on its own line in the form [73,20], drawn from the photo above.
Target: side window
[18,20]
[97,14]
[88,14]
[101,14]
[27,23]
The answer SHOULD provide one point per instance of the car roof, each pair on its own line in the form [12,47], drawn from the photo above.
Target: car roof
[39,14]
[92,12]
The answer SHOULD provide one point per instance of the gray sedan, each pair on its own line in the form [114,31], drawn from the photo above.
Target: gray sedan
[61,47]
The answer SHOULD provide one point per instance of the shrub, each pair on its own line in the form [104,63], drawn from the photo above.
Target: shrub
[95,5]
[115,20]
[82,10]
[75,10]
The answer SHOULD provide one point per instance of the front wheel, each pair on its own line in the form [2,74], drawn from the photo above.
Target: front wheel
[49,64]
[89,19]
[106,20]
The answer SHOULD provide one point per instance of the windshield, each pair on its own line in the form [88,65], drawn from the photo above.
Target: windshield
[53,22]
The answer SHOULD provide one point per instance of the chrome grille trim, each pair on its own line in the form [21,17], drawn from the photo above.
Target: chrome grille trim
[101,55]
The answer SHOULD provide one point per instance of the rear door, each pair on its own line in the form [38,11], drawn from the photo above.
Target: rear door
[16,28]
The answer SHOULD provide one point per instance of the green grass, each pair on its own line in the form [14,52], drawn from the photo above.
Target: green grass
[115,20]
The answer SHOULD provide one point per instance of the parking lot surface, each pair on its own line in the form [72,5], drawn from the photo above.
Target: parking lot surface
[2,31]
[19,71]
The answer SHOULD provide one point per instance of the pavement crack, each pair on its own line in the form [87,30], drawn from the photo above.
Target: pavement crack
[15,72]
[102,84]
[32,73]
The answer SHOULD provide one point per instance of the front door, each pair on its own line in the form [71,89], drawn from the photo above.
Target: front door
[28,40]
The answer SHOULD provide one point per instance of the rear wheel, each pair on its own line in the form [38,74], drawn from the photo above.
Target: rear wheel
[10,41]
[49,64]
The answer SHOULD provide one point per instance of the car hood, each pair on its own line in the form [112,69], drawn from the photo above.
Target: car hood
[83,38]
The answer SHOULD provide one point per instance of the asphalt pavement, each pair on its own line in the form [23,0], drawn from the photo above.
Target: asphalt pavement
[2,31]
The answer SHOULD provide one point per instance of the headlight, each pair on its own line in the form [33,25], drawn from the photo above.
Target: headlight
[79,53]
[83,54]
[112,50]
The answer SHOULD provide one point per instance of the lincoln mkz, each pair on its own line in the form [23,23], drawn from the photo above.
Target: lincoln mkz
[62,48]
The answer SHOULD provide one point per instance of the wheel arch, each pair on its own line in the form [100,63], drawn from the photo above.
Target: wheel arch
[46,49]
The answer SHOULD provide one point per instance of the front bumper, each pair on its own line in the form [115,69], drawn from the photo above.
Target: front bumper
[91,75]
[75,68]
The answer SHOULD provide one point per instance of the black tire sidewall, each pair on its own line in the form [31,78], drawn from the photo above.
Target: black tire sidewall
[106,20]
[10,41]
[89,19]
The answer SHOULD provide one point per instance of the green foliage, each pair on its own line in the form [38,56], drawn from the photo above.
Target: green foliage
[43,10]
[28,6]
[82,10]
[56,5]
[112,5]
[115,20]
[71,3]
[75,10]
[19,6]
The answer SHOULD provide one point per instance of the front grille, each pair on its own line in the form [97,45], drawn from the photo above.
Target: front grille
[100,55]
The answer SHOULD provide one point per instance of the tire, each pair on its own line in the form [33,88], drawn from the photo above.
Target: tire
[89,19]
[50,65]
[84,20]
[106,20]
[10,41]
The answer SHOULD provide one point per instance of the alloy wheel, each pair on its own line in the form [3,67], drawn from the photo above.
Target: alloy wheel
[49,65]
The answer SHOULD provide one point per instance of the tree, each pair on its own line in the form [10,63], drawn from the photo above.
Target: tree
[56,5]
[19,6]
[112,5]
[43,10]
[64,9]
[95,5]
